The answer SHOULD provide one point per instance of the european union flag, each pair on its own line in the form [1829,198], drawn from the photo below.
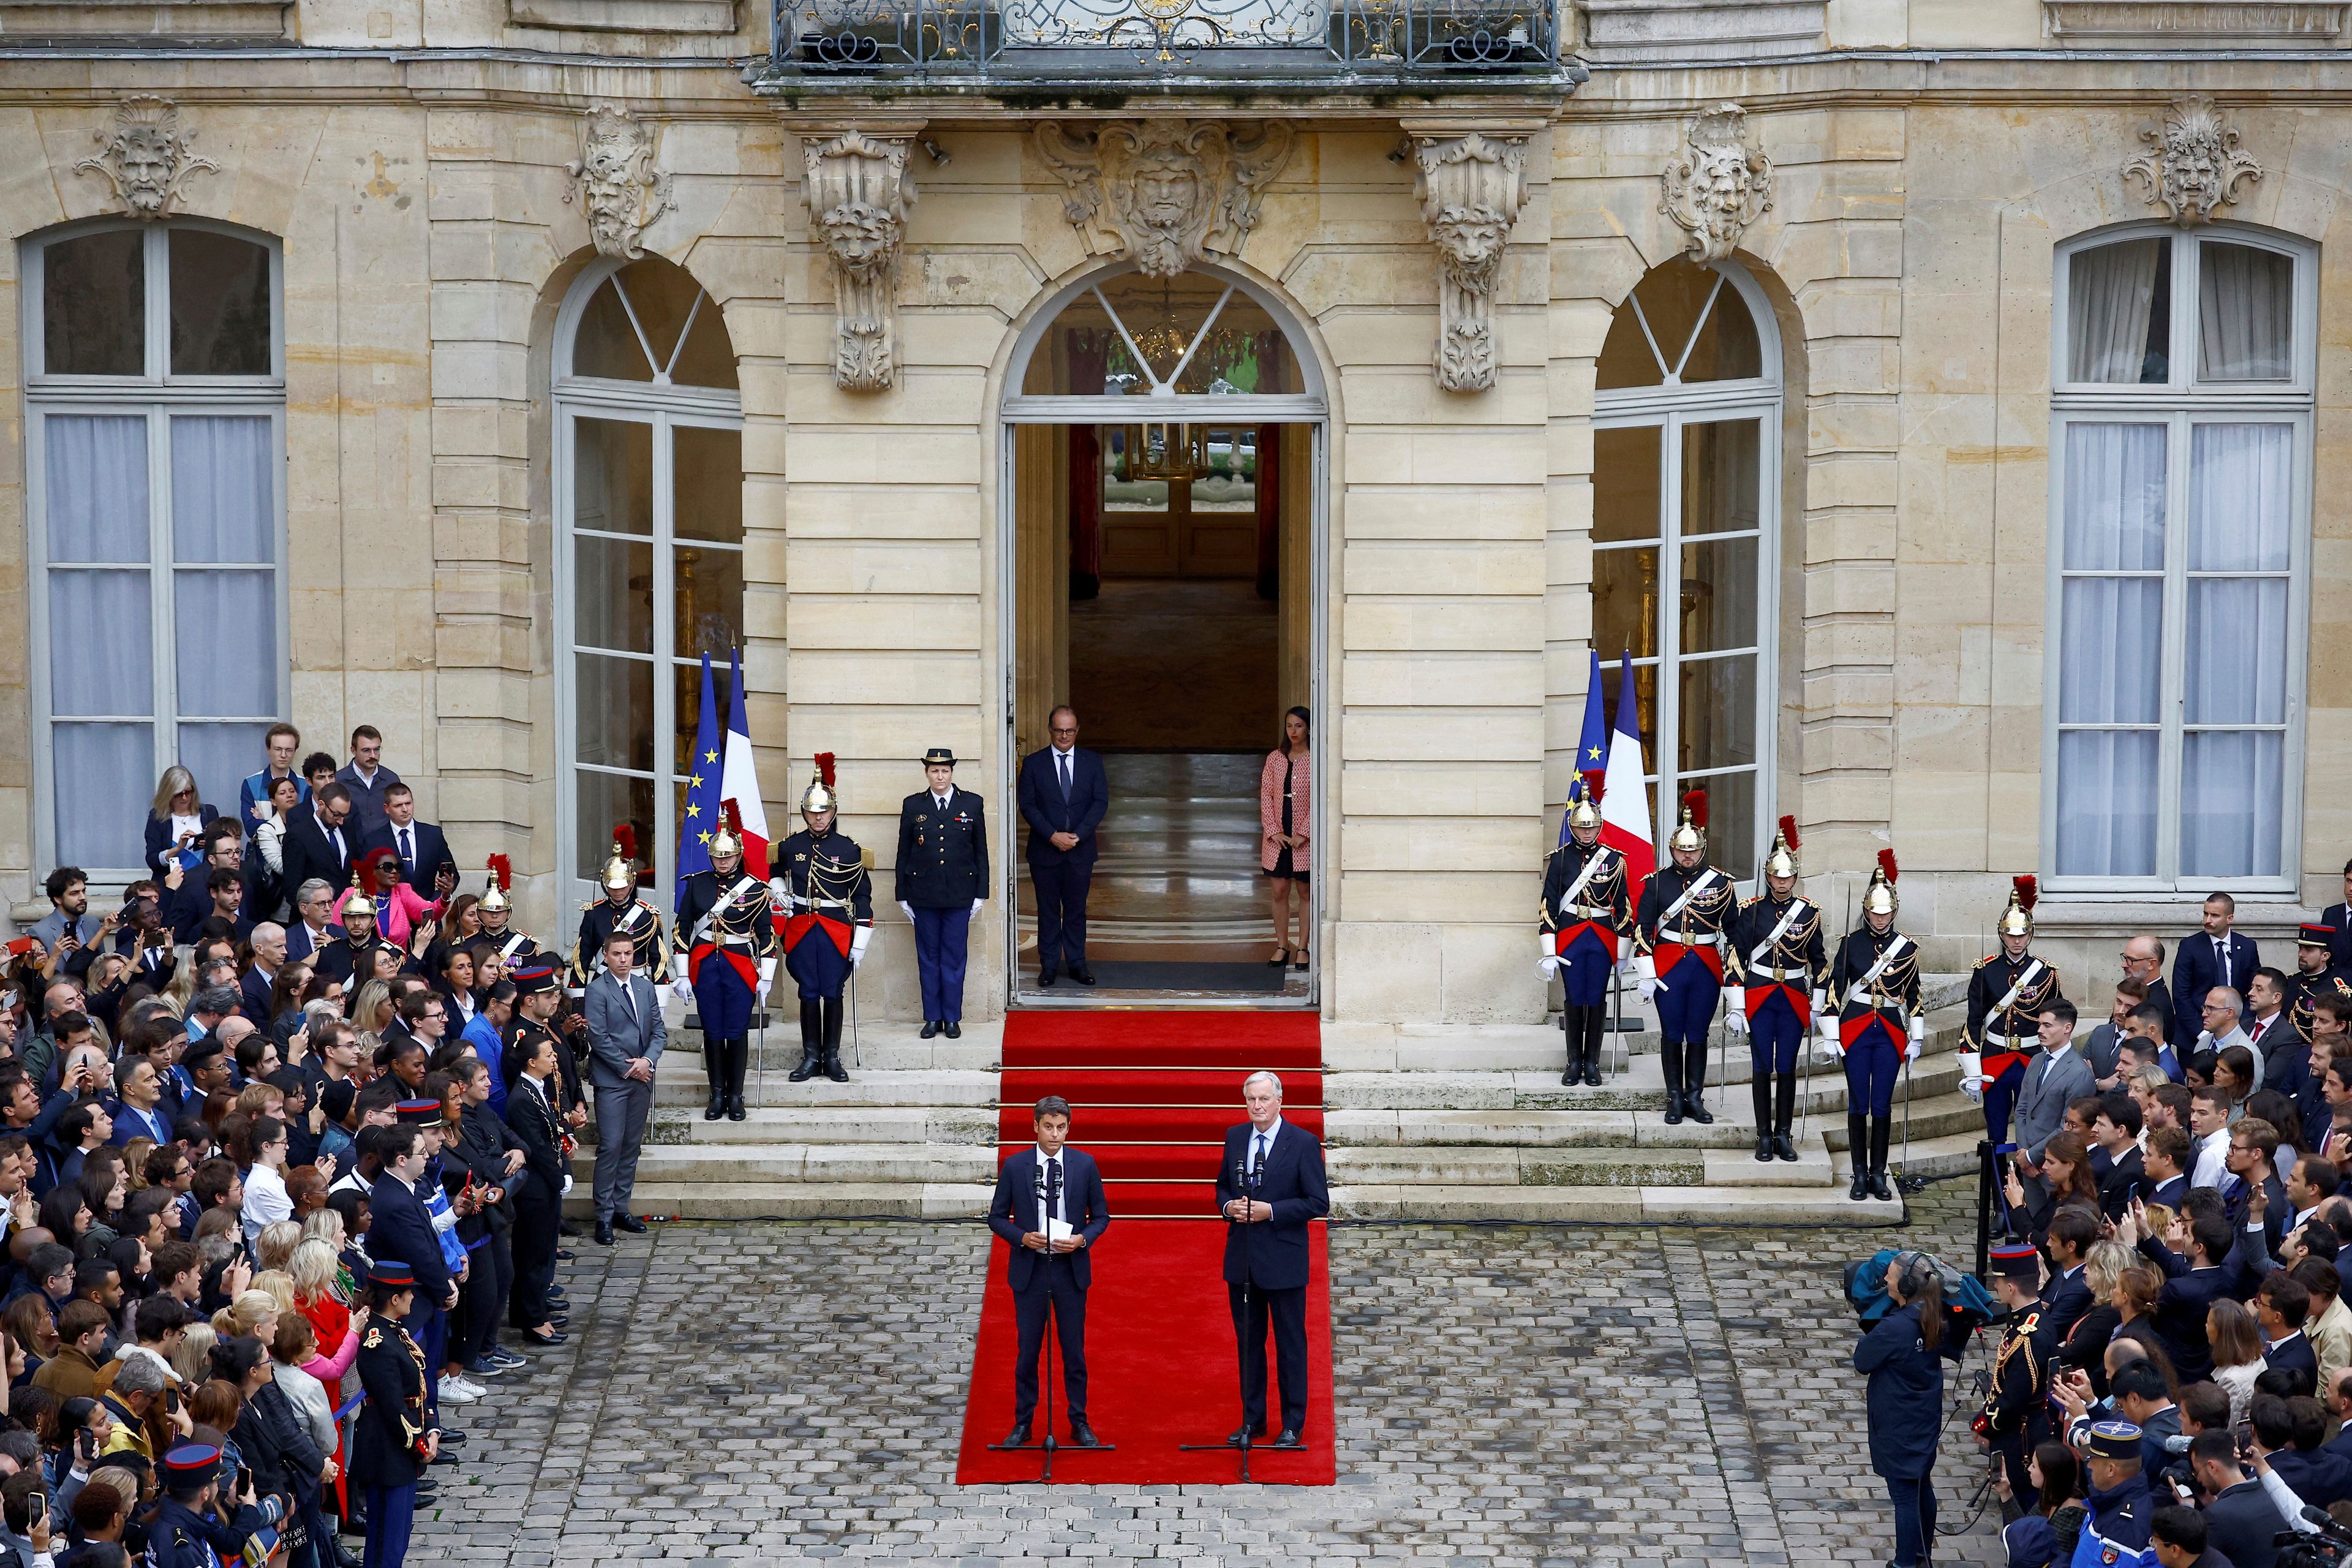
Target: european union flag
[703,781]
[1591,747]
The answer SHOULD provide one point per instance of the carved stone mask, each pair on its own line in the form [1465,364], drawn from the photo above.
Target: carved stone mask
[148,156]
[1470,238]
[861,236]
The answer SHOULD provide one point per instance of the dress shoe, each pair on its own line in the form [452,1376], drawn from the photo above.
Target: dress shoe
[1082,974]
[445,1459]
[452,1438]
[1674,1107]
[346,1558]
[1288,1437]
[951,1029]
[931,1028]
[549,1341]
[604,1232]
[565,1254]
[811,1059]
[1784,1147]
[1083,1435]
[559,1319]
[1235,1438]
[566,1228]
[1017,1437]
[629,1223]
[1046,977]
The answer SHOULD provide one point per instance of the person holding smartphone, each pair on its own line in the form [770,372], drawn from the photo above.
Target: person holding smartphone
[198,1523]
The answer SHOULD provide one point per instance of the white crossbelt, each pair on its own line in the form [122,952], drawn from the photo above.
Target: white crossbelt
[1773,941]
[2008,998]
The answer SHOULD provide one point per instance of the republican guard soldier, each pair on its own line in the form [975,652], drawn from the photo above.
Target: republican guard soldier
[1582,919]
[822,890]
[2007,992]
[353,953]
[2316,975]
[941,883]
[730,964]
[397,1435]
[2016,1413]
[1780,981]
[1875,994]
[496,912]
[620,912]
[1678,957]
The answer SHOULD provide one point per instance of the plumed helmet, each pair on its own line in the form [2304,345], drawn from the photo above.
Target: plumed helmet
[1690,836]
[820,795]
[1584,806]
[360,897]
[1879,898]
[620,871]
[729,839]
[494,895]
[1782,860]
[2018,919]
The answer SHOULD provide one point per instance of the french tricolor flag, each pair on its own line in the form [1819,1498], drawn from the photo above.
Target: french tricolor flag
[1624,795]
[738,782]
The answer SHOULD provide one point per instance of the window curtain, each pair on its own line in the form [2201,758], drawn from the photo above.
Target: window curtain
[224,623]
[2245,313]
[222,509]
[2110,293]
[2110,648]
[2234,669]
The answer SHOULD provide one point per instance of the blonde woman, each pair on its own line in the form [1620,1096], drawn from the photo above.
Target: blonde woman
[175,822]
[371,1014]
[278,1285]
[192,1362]
[254,1314]
[273,1251]
[1286,824]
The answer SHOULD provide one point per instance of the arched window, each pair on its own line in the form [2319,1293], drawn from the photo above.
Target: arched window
[2184,368]
[1685,515]
[155,403]
[649,491]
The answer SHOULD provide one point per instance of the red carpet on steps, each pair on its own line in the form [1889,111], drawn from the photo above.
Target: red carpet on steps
[1152,1094]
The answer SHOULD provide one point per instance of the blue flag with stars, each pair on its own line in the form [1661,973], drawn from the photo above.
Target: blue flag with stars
[703,781]
[1591,747]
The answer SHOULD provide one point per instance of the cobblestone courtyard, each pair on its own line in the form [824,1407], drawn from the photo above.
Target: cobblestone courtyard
[1506,1395]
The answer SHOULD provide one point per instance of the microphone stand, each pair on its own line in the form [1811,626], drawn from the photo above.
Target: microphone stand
[1247,1180]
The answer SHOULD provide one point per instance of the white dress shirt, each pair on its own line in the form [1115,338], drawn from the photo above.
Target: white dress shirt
[1058,1207]
[2211,1165]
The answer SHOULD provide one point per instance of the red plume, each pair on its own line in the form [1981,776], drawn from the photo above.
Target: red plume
[1789,832]
[503,872]
[825,768]
[1695,801]
[2028,891]
[626,837]
[1887,863]
[734,818]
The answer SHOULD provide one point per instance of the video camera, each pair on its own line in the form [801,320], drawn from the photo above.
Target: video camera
[1967,1307]
[2331,1548]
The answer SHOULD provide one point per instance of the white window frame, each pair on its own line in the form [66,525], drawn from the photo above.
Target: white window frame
[155,395]
[1670,407]
[2180,403]
[664,407]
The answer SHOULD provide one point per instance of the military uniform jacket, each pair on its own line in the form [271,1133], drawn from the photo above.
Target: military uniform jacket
[942,854]
[1891,995]
[511,945]
[636,920]
[822,879]
[183,1538]
[341,958]
[522,1038]
[2016,1405]
[1708,901]
[1794,959]
[2303,991]
[2007,1035]
[387,1446]
[1599,903]
[726,913]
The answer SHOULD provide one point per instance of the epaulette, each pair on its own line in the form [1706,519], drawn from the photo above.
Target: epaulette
[374,1338]
[1987,958]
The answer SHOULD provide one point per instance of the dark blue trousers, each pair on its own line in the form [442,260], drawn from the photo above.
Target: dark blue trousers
[435,1342]
[1061,911]
[1871,1064]
[1052,1285]
[1999,1099]
[1687,999]
[391,1511]
[941,939]
[1774,1034]
[1584,968]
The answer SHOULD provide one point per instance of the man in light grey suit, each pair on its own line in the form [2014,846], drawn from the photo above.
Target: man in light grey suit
[626,1036]
[2052,1079]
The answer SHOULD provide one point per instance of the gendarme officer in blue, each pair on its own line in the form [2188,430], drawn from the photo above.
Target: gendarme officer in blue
[196,1525]
[942,880]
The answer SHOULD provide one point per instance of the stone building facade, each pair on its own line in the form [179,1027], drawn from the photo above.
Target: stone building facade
[1900,199]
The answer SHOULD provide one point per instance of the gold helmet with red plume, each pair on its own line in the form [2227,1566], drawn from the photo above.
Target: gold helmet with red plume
[1689,837]
[820,795]
[2017,920]
[1584,804]
[1782,860]
[1879,898]
[729,839]
[501,878]
[620,871]
[368,877]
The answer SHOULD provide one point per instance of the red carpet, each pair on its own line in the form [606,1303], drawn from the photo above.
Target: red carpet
[1152,1095]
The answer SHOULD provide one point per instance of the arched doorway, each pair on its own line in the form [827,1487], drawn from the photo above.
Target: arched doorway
[649,553]
[1163,500]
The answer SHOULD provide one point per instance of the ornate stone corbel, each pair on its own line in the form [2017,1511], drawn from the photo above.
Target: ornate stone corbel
[1719,185]
[858,193]
[145,156]
[1164,192]
[619,189]
[2193,165]
[1471,188]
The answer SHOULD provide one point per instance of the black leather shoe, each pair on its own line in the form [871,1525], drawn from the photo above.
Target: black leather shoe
[604,1232]
[736,1110]
[629,1223]
[1860,1187]
[1083,976]
[810,1061]
[1763,1148]
[951,1029]
[833,1067]
[711,1112]
[1674,1107]
[1046,977]
[1018,1435]
[565,1255]
[1082,1436]
[549,1341]
[1784,1148]
[931,1028]
[1235,1438]
[1695,1108]
[452,1438]
[1571,1078]
[1593,1074]
[559,1320]
[1289,1438]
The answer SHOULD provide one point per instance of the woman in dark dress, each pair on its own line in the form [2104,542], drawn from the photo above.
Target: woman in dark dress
[1286,819]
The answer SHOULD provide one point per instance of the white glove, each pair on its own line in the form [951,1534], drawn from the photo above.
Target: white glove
[1735,1010]
[1821,1004]
[1972,1076]
[1647,987]
[858,945]
[1646,972]
[1919,1040]
[976,905]
[1828,1025]
[767,975]
[567,1183]
[1548,966]
[907,909]
[683,989]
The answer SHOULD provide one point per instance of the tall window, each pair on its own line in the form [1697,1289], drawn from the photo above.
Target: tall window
[650,475]
[155,402]
[1686,446]
[2179,494]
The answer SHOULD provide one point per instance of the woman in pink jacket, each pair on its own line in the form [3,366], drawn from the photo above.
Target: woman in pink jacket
[1285,818]
[401,912]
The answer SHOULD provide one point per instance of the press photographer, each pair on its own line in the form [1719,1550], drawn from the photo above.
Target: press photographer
[1904,1357]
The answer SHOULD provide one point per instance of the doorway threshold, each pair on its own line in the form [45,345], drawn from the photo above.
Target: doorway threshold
[1101,997]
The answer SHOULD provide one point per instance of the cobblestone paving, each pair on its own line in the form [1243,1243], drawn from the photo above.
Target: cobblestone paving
[1540,1396]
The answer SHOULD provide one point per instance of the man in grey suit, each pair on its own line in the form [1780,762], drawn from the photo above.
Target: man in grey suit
[2052,1079]
[626,1036]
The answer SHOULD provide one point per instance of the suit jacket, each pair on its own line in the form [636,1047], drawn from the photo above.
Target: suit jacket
[2102,1048]
[2240,1523]
[1273,1254]
[256,987]
[299,945]
[432,854]
[2122,1183]
[159,837]
[308,853]
[614,1037]
[1013,1213]
[399,1227]
[2180,1307]
[2294,1352]
[2285,1056]
[1047,813]
[943,856]
[533,1120]
[482,1145]
[2169,1193]
[2069,1299]
[2320,1477]
[2340,917]
[2041,1098]
[2197,969]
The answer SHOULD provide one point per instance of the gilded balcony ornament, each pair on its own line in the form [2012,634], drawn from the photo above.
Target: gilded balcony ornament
[1719,186]
[2193,165]
[858,193]
[619,189]
[1471,189]
[145,156]
[1164,192]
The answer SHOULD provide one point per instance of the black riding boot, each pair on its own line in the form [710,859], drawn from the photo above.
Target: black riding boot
[1759,1095]
[739,1061]
[1880,1187]
[833,1067]
[1857,1143]
[1593,1018]
[1670,1062]
[1784,1110]
[1571,1026]
[1695,1083]
[811,1042]
[714,1067]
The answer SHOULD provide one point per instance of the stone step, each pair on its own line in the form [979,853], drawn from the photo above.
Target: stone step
[922,1088]
[1504,1167]
[763,1164]
[891,1053]
[1640,1087]
[671,1199]
[1615,1205]
[887,1124]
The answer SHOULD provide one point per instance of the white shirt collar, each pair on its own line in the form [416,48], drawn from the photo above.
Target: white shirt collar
[942,801]
[1064,751]
[1270,1134]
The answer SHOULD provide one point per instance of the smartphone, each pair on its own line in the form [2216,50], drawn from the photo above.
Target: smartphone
[36,1507]
[19,946]
[2244,1432]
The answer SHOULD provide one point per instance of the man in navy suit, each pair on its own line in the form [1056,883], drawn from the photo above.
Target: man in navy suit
[425,863]
[2191,1285]
[399,1227]
[1064,793]
[2216,956]
[1268,1188]
[1050,1182]
[2340,916]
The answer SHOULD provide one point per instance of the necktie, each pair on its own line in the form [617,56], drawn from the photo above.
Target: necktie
[629,999]
[1063,759]
[407,849]
[1257,1158]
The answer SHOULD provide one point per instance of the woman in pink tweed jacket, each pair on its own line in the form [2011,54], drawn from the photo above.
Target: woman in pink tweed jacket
[1286,815]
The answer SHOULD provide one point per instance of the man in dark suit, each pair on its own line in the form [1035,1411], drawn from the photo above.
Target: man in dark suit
[365,778]
[1269,1188]
[2241,1520]
[425,863]
[320,842]
[2143,959]
[399,1227]
[625,1038]
[2282,1307]
[2191,1285]
[534,1110]
[1049,1204]
[1063,794]
[942,880]
[2067,1297]
[261,977]
[2116,1131]
[2340,916]
[2216,956]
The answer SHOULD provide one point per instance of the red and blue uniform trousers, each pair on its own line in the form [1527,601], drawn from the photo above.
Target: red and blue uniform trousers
[2004,1074]
[1587,954]
[816,953]
[941,940]
[1777,1016]
[1690,984]
[1874,1045]
[726,989]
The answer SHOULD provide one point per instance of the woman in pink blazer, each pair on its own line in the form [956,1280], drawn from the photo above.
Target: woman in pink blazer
[1286,815]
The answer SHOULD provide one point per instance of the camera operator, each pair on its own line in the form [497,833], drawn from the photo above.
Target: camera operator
[1903,1358]
[2241,1522]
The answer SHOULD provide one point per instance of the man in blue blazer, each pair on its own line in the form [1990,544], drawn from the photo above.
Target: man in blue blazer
[2215,956]
[1268,1188]
[425,863]
[1050,1180]
[1064,793]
